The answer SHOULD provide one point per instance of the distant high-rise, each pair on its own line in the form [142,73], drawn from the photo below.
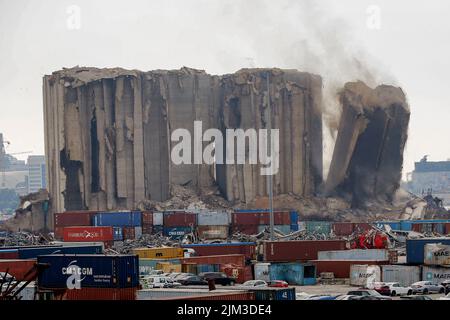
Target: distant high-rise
[36,173]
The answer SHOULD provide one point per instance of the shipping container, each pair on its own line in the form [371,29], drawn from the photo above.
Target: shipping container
[59,233]
[361,227]
[235,259]
[341,268]
[158,218]
[299,250]
[294,217]
[447,228]
[118,219]
[158,229]
[148,265]
[88,233]
[17,267]
[206,267]
[182,293]
[262,271]
[167,267]
[437,254]
[244,296]
[268,294]
[138,232]
[415,251]
[219,218]
[95,271]
[405,275]
[406,225]
[342,228]
[355,254]
[159,253]
[245,229]
[285,229]
[248,249]
[176,232]
[146,229]
[117,234]
[439,228]
[211,232]
[128,233]
[179,219]
[318,227]
[9,254]
[293,273]
[262,217]
[32,253]
[101,294]
[74,218]
[395,225]
[241,274]
[147,218]
[435,274]
[363,275]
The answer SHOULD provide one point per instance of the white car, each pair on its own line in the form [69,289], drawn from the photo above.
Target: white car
[426,287]
[398,290]
[158,282]
[255,283]
[447,297]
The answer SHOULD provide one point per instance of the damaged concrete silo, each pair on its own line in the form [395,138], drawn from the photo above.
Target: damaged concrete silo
[295,104]
[368,155]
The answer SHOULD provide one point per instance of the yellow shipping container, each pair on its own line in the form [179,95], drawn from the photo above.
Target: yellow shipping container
[168,267]
[159,253]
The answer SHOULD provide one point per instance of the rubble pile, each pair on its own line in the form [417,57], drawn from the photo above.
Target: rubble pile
[146,240]
[23,238]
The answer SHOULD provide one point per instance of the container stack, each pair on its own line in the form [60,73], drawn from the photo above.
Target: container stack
[179,223]
[213,225]
[255,221]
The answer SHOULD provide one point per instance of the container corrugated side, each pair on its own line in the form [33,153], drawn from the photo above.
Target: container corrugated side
[101,294]
[118,219]
[219,218]
[159,253]
[354,254]
[213,232]
[364,275]
[9,254]
[17,267]
[318,227]
[88,233]
[204,249]
[293,273]
[148,265]
[267,294]
[299,250]
[236,259]
[341,268]
[437,254]
[176,232]
[405,275]
[32,253]
[73,218]
[415,248]
[435,274]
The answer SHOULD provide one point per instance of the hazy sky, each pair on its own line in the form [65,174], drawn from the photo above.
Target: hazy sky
[406,43]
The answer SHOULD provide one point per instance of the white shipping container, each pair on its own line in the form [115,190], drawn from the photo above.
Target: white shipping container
[364,275]
[262,271]
[405,275]
[158,218]
[356,254]
[437,254]
[435,274]
[137,232]
[215,218]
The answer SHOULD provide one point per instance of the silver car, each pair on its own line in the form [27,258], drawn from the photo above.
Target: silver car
[426,287]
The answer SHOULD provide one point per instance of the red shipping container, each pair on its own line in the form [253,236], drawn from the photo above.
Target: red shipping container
[257,218]
[245,229]
[81,234]
[179,219]
[11,254]
[128,233]
[235,259]
[361,227]
[216,296]
[74,218]
[147,218]
[341,268]
[147,229]
[447,228]
[17,267]
[101,294]
[343,228]
[59,233]
[417,227]
[299,250]
[241,274]
[249,250]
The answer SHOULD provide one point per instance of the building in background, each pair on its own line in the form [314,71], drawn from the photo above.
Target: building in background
[431,177]
[36,173]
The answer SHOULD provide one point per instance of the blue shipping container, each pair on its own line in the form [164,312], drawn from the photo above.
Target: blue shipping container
[294,227]
[393,224]
[118,219]
[415,248]
[91,271]
[176,232]
[117,233]
[294,217]
[406,225]
[32,253]
[293,273]
[266,294]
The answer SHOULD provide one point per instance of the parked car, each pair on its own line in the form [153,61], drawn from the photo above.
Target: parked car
[192,281]
[447,297]
[396,289]
[156,273]
[321,297]
[219,278]
[368,292]
[255,283]
[446,284]
[416,297]
[158,282]
[183,275]
[382,288]
[278,284]
[348,297]
[426,287]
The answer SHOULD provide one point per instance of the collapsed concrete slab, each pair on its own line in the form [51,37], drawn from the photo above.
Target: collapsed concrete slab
[368,155]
